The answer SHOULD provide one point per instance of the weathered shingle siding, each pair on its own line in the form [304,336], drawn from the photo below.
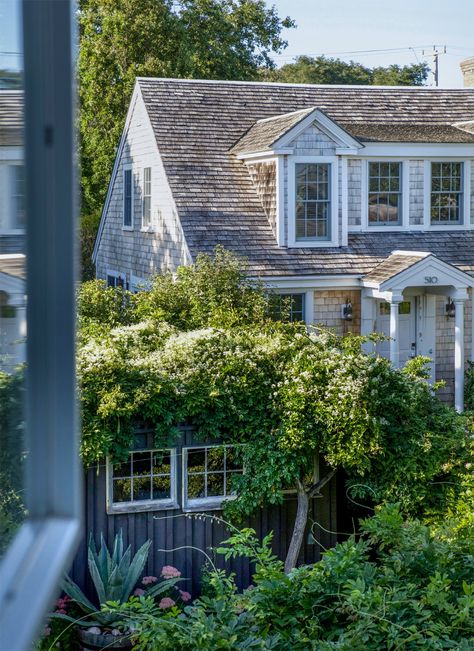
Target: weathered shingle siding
[445,344]
[416,191]
[313,142]
[139,252]
[263,176]
[354,191]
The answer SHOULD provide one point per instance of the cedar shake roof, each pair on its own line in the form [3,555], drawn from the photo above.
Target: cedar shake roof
[264,133]
[196,123]
[393,132]
[393,265]
[11,118]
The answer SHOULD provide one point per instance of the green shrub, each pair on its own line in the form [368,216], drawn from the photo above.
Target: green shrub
[401,585]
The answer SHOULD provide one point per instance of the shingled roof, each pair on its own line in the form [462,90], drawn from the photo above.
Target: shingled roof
[400,132]
[11,117]
[196,123]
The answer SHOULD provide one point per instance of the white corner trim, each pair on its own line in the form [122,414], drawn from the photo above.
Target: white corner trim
[344,203]
[280,200]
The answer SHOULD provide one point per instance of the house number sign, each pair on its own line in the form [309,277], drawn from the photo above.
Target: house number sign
[431,280]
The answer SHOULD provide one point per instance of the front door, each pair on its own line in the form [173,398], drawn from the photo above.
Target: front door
[406,329]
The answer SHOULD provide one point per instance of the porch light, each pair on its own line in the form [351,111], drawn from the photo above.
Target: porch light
[450,308]
[346,311]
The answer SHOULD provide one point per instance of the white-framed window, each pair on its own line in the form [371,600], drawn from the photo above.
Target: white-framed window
[312,201]
[384,193]
[289,306]
[138,284]
[208,476]
[127,197]
[116,279]
[446,202]
[146,481]
[146,198]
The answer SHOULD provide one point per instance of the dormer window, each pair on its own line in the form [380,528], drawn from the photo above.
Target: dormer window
[313,201]
[446,193]
[385,194]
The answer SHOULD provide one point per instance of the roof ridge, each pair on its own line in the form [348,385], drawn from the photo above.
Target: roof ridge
[295,85]
[284,115]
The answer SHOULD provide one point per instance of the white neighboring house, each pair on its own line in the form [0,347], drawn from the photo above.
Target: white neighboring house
[12,231]
[356,201]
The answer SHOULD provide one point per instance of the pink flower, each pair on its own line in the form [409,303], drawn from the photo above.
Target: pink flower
[60,603]
[139,592]
[148,580]
[185,596]
[166,602]
[170,572]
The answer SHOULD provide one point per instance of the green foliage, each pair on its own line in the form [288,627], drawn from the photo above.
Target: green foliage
[325,70]
[114,576]
[12,454]
[402,585]
[124,39]
[469,387]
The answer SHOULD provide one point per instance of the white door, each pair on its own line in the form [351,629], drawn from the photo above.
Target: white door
[406,329]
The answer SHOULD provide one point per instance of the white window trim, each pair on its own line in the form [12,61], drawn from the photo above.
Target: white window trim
[213,503]
[126,168]
[116,274]
[308,300]
[466,196]
[405,196]
[149,227]
[334,217]
[137,506]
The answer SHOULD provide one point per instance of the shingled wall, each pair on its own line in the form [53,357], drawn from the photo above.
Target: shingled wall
[264,178]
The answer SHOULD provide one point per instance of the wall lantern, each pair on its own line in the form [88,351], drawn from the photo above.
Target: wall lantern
[450,308]
[346,311]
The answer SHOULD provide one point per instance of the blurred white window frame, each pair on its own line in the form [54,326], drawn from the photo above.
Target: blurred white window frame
[45,544]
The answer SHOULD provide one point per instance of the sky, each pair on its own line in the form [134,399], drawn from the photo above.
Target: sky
[346,29]
[343,26]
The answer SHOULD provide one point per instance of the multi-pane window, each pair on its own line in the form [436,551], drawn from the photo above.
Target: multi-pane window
[446,193]
[385,193]
[147,476]
[146,217]
[209,474]
[288,307]
[17,175]
[127,198]
[116,279]
[313,201]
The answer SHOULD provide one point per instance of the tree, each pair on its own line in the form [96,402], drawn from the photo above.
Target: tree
[301,405]
[325,70]
[123,39]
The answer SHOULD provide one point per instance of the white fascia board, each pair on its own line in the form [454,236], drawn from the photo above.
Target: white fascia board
[340,281]
[417,150]
[257,156]
[135,95]
[328,126]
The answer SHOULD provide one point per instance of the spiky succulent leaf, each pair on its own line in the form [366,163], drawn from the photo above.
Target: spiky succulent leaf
[136,568]
[159,588]
[125,561]
[74,591]
[96,577]
[118,548]
[115,585]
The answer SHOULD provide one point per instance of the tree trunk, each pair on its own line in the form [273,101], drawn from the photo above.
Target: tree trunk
[299,528]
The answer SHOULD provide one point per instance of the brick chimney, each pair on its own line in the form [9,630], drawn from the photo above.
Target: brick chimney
[467,68]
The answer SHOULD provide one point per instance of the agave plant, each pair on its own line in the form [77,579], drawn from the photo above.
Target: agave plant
[114,576]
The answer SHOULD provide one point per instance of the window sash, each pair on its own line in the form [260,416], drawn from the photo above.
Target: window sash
[17,193]
[297,307]
[207,500]
[312,201]
[446,204]
[127,198]
[384,193]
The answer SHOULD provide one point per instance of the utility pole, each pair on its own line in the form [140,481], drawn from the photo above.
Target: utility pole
[435,54]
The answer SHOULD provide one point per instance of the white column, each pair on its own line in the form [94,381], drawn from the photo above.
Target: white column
[367,319]
[459,353]
[394,336]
